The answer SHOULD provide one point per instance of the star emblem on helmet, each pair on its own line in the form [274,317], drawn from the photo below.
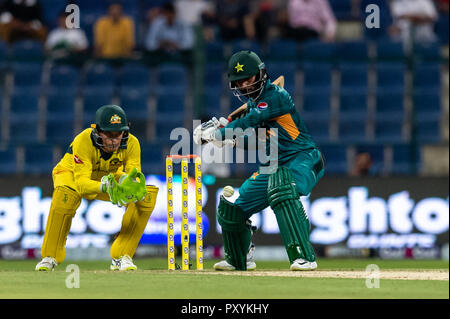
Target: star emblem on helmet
[239,67]
[115,119]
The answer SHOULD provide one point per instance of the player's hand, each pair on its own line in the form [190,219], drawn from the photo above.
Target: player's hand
[227,142]
[133,189]
[110,186]
[206,126]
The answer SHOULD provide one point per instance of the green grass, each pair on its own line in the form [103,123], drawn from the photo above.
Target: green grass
[19,280]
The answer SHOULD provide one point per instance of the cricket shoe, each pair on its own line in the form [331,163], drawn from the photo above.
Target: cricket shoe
[46,264]
[225,265]
[124,263]
[302,264]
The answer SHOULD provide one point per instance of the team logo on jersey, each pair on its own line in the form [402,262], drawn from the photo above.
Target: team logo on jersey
[239,67]
[262,105]
[77,160]
[115,119]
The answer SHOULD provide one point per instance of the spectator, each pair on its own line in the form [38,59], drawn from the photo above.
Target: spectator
[22,19]
[190,11]
[114,34]
[233,19]
[308,19]
[413,21]
[362,165]
[168,36]
[263,16]
[63,42]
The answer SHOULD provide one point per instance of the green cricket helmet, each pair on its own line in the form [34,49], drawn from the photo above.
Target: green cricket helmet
[243,65]
[110,118]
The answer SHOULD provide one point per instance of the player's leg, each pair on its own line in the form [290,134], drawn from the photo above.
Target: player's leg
[134,222]
[236,226]
[65,202]
[285,188]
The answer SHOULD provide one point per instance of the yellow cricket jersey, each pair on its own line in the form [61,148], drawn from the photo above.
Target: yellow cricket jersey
[83,165]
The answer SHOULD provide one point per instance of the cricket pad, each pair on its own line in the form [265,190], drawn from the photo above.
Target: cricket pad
[236,233]
[284,199]
[65,202]
[134,222]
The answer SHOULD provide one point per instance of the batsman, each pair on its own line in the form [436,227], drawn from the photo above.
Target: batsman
[299,166]
[103,162]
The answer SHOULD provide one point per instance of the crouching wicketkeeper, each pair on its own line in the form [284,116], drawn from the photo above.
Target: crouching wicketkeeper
[103,162]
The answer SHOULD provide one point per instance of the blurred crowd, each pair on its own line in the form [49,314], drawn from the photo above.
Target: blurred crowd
[169,25]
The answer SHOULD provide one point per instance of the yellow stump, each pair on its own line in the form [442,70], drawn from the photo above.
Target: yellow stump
[184,211]
[170,226]
[198,212]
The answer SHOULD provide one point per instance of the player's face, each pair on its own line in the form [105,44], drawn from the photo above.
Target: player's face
[246,85]
[111,141]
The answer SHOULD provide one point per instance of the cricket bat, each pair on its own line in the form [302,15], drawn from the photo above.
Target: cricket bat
[243,108]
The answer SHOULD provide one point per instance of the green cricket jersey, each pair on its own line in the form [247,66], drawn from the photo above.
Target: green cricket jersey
[274,109]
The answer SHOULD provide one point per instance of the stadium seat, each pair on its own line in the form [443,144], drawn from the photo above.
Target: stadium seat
[427,130]
[390,75]
[390,103]
[318,51]
[172,78]
[64,77]
[388,50]
[335,156]
[287,69]
[442,28]
[213,78]
[246,44]
[211,104]
[389,130]
[318,128]
[214,51]
[92,100]
[170,106]
[134,75]
[316,104]
[353,104]
[385,19]
[424,52]
[24,116]
[27,74]
[405,157]
[427,75]
[353,76]
[317,75]
[427,103]
[8,161]
[38,159]
[135,103]
[152,160]
[99,75]
[60,117]
[27,50]
[282,50]
[352,130]
[4,55]
[352,51]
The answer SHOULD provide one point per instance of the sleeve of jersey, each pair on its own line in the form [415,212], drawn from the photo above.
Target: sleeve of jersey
[133,155]
[82,170]
[255,117]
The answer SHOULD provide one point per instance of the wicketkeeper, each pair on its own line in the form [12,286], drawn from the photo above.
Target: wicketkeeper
[300,166]
[103,162]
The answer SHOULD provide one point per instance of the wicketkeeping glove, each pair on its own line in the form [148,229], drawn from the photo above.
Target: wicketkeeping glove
[110,186]
[133,189]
